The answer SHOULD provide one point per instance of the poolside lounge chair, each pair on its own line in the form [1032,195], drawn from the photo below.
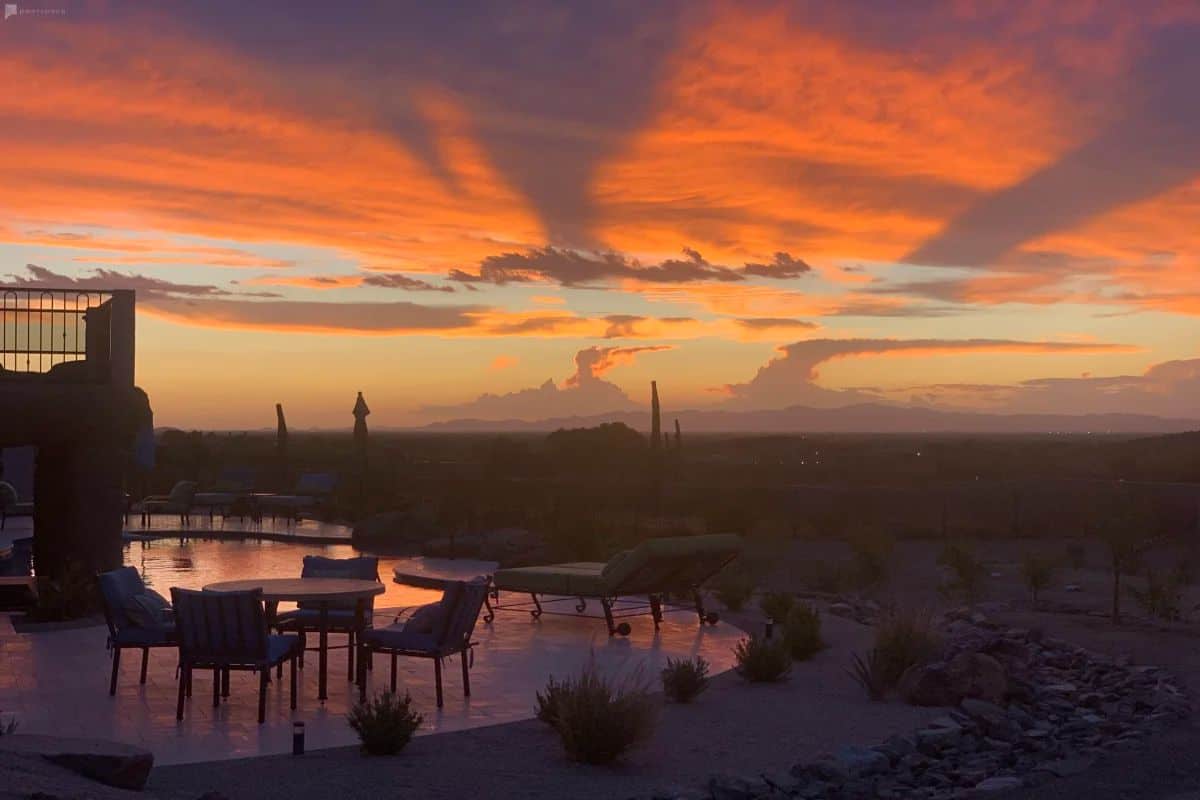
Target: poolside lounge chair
[311,490]
[11,505]
[224,631]
[342,618]
[179,501]
[137,618]
[434,631]
[235,485]
[653,568]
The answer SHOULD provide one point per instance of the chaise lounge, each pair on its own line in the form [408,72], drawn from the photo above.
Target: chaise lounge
[656,567]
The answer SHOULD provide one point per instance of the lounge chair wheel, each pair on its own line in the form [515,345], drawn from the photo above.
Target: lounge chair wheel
[712,618]
[623,629]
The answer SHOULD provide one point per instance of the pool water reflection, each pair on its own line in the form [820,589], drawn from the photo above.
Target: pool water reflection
[195,563]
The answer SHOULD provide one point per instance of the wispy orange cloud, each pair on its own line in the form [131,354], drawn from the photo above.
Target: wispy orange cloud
[503,362]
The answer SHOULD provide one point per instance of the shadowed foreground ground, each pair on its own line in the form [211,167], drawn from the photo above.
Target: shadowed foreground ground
[733,728]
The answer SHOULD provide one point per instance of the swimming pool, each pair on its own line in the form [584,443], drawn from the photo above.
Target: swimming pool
[193,563]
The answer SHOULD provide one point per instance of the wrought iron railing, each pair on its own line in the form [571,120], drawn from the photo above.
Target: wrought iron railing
[42,328]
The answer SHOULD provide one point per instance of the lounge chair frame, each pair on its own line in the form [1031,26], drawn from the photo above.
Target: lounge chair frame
[648,580]
[613,608]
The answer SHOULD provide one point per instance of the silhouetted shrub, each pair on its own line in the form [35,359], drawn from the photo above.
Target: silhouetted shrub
[547,700]
[733,587]
[385,723]
[828,577]
[872,554]
[902,640]
[967,572]
[599,720]
[802,632]
[777,605]
[870,673]
[71,595]
[685,678]
[1162,596]
[1077,555]
[1037,571]
[762,660]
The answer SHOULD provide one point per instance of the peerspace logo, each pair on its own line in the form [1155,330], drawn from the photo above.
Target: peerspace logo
[14,10]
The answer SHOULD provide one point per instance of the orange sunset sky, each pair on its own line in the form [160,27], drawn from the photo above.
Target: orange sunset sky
[529,210]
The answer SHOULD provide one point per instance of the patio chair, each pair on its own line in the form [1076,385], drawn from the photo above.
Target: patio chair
[137,617]
[654,568]
[434,631]
[11,505]
[311,490]
[225,631]
[343,618]
[179,501]
[235,485]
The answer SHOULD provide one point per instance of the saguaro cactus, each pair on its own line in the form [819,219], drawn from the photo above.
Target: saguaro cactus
[655,417]
[678,436]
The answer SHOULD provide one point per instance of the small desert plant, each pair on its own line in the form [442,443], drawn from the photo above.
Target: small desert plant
[733,588]
[902,640]
[7,727]
[547,701]
[1161,598]
[777,605]
[802,632]
[385,723]
[599,720]
[869,673]
[762,660]
[1037,571]
[828,577]
[685,678]
[1124,531]
[872,554]
[968,572]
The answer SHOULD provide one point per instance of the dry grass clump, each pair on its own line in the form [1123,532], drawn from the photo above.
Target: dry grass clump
[598,719]
[685,678]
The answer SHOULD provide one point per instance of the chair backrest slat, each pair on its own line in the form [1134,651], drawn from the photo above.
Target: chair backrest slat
[220,627]
[363,568]
[468,598]
[116,587]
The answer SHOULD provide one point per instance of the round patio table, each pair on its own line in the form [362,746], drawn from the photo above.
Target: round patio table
[321,592]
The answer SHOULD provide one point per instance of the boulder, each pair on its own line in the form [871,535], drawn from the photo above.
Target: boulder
[927,685]
[978,675]
[393,528]
[113,763]
[857,762]
[998,784]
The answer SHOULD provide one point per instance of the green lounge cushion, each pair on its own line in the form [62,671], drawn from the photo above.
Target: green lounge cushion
[655,565]
[577,578]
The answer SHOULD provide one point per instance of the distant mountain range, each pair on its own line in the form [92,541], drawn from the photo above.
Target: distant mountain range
[862,418]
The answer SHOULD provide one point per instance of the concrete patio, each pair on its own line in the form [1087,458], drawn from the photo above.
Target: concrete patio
[55,682]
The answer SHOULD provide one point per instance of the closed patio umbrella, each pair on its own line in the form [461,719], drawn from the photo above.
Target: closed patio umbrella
[281,446]
[360,447]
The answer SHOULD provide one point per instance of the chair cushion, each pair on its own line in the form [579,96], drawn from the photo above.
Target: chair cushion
[396,637]
[282,645]
[578,578]
[116,588]
[182,493]
[146,637]
[8,496]
[426,619]
[309,619]
[148,609]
